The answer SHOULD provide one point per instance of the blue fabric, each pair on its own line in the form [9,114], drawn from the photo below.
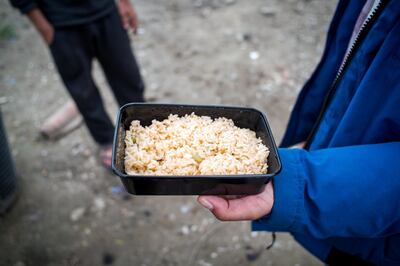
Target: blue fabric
[345,191]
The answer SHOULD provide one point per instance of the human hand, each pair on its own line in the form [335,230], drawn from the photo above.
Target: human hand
[47,33]
[43,26]
[240,208]
[128,15]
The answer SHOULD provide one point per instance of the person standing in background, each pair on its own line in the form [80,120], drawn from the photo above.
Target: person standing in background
[76,33]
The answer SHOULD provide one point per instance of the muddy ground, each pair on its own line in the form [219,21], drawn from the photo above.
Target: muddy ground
[72,212]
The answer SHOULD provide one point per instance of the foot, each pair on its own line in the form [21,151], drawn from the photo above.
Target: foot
[105,156]
[55,124]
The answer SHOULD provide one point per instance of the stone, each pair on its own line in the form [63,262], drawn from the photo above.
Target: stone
[77,214]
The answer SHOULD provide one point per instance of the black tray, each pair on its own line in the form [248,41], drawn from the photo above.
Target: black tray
[193,185]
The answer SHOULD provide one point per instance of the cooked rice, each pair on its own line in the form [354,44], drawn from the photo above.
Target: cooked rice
[193,145]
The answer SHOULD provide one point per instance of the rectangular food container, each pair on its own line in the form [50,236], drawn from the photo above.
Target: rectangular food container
[193,185]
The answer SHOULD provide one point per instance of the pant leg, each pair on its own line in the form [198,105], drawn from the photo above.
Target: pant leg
[116,57]
[73,54]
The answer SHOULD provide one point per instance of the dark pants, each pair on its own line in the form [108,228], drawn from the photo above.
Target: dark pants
[338,258]
[74,49]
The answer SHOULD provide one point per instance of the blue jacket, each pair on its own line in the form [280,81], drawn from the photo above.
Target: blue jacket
[343,192]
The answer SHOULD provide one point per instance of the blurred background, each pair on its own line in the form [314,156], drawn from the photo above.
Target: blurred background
[71,211]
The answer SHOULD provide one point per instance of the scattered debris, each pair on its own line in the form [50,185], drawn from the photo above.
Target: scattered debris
[221,249]
[247,37]
[268,11]
[35,216]
[203,263]
[185,230]
[206,12]
[186,208]
[154,86]
[252,254]
[171,217]
[147,213]
[230,2]
[108,258]
[77,214]
[194,228]
[117,190]
[3,100]
[151,98]
[79,149]
[198,3]
[119,242]
[254,55]
[10,81]
[141,31]
[266,87]
[98,204]
[127,213]
[87,231]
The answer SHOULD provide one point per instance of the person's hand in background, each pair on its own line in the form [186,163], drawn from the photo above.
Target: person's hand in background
[128,15]
[42,25]
[240,208]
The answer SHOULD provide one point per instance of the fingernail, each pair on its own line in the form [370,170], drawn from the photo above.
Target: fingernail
[206,204]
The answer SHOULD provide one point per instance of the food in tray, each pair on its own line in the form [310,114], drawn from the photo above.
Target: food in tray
[193,145]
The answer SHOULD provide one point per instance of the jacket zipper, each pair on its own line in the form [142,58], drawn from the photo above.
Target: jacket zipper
[364,29]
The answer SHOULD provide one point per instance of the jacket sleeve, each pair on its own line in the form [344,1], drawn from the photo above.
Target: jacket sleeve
[337,192]
[24,6]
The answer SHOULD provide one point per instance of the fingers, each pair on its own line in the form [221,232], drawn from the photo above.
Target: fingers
[133,22]
[125,21]
[128,16]
[129,20]
[239,209]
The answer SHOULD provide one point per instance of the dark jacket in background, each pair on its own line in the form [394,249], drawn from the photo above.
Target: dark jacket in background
[67,12]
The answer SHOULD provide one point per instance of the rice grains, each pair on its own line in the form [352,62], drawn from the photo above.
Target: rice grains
[193,145]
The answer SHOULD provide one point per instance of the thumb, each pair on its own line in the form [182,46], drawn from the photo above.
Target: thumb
[245,208]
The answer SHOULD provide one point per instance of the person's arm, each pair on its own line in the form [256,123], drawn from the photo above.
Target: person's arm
[42,25]
[31,10]
[337,192]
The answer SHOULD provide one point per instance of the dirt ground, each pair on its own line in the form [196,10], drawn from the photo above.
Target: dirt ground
[72,212]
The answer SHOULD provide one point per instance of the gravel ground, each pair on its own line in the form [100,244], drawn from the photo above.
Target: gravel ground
[73,212]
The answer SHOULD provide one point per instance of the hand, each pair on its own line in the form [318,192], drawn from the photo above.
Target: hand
[240,208]
[128,15]
[47,32]
[43,26]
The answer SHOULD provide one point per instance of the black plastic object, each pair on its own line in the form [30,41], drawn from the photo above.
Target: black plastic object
[193,185]
[8,176]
